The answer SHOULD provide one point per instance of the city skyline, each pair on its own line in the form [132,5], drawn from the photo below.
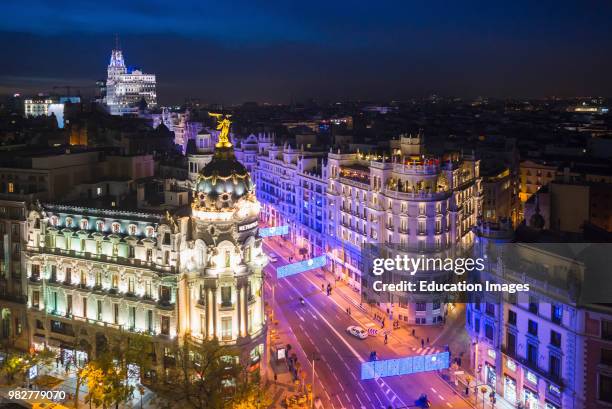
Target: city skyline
[285,53]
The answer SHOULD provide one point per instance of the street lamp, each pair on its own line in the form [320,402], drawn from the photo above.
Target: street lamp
[314,358]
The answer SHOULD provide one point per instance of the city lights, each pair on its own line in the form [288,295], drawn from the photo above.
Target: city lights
[404,366]
[301,266]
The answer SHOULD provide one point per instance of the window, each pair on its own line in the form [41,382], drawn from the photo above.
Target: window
[490,309]
[69,304]
[606,357]
[115,281]
[165,325]
[100,225]
[164,293]
[555,339]
[421,306]
[148,292]
[554,366]
[130,285]
[606,330]
[532,328]
[477,324]
[83,278]
[68,222]
[116,313]
[132,318]
[556,313]
[436,305]
[605,388]
[511,343]
[85,307]
[98,279]
[132,229]
[532,354]
[489,331]
[84,224]
[35,299]
[150,320]
[533,305]
[511,317]
[99,310]
[226,296]
[226,328]
[116,227]
[35,271]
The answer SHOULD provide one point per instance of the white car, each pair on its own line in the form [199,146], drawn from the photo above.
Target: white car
[272,257]
[357,331]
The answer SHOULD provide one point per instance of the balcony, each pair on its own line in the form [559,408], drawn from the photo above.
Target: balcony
[533,367]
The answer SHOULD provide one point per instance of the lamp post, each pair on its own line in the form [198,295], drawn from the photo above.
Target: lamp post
[314,358]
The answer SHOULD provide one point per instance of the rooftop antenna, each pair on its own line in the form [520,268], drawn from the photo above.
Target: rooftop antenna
[117,45]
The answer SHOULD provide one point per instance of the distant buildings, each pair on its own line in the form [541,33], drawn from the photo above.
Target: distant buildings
[48,105]
[126,89]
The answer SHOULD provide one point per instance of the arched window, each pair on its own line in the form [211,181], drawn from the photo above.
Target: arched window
[132,229]
[84,224]
[100,225]
[116,227]
[53,220]
[68,221]
[150,231]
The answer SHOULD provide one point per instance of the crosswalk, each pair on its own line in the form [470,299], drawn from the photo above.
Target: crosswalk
[391,396]
[426,350]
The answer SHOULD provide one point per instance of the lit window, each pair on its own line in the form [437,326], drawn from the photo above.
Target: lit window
[11,187]
[100,225]
[68,222]
[116,227]
[84,224]
[132,228]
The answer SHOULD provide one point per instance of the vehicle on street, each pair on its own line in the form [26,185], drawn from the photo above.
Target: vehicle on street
[272,257]
[357,332]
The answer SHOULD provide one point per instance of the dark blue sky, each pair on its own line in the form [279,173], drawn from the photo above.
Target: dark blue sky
[232,51]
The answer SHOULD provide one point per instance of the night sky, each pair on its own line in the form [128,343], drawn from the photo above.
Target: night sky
[235,51]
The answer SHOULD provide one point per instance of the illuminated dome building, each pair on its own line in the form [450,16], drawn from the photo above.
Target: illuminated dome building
[95,274]
[222,263]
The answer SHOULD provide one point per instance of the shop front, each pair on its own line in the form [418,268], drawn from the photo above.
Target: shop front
[510,389]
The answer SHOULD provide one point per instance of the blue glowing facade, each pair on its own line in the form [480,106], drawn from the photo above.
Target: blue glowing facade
[300,267]
[404,366]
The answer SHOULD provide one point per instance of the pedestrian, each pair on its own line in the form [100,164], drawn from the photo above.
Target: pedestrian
[427,340]
[385,339]
[383,322]
[413,332]
[422,343]
[322,287]
[349,310]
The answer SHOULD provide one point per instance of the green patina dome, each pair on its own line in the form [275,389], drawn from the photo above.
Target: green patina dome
[223,181]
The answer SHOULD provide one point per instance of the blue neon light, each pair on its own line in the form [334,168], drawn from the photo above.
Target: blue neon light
[274,231]
[301,266]
[405,366]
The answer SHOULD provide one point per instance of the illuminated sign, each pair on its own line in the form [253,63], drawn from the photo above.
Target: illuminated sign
[492,353]
[300,267]
[554,389]
[404,366]
[531,377]
[510,364]
[274,231]
[249,226]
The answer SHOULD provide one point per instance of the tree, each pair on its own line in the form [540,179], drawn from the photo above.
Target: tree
[106,382]
[205,374]
[250,392]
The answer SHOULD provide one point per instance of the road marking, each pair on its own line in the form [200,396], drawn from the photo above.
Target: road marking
[349,346]
[449,405]
[327,340]
[433,390]
[441,397]
[381,403]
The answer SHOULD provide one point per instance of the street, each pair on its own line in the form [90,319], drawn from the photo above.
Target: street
[320,328]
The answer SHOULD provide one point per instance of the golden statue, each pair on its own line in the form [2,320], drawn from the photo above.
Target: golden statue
[223,125]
